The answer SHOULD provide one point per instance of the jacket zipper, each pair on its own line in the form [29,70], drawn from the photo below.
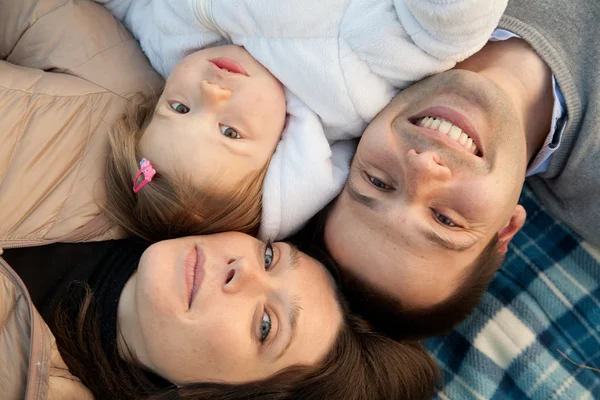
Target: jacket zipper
[32,390]
[204,12]
[36,354]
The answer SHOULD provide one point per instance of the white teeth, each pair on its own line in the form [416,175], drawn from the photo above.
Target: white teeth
[445,127]
[453,132]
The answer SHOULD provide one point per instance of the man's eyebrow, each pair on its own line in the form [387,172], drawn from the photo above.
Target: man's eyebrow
[367,201]
[433,237]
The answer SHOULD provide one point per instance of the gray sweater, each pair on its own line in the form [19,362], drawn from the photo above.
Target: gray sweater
[566,34]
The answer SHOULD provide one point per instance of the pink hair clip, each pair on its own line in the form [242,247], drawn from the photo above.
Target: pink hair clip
[148,172]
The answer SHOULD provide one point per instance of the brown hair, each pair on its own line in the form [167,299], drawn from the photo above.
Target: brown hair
[361,364]
[169,207]
[388,315]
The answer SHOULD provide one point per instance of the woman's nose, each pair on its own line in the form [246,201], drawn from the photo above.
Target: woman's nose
[241,275]
[424,170]
[213,93]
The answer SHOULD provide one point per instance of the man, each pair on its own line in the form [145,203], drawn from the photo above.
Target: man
[431,201]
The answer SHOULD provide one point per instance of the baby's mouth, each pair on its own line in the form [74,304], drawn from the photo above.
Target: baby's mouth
[229,65]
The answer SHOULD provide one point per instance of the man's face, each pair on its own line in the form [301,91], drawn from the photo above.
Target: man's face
[436,175]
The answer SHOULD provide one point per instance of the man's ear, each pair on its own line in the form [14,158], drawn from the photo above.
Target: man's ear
[513,226]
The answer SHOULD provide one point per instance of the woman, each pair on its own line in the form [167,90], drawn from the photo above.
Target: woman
[245,318]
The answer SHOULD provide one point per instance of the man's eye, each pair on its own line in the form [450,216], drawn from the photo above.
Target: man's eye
[378,183]
[444,220]
[265,327]
[179,108]
[269,255]
[229,132]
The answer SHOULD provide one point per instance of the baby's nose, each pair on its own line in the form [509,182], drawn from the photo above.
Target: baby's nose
[213,92]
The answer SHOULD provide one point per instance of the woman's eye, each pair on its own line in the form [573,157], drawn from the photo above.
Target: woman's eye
[444,220]
[378,183]
[265,327]
[269,255]
[229,132]
[179,108]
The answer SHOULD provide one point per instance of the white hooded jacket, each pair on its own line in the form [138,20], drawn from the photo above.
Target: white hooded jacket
[341,62]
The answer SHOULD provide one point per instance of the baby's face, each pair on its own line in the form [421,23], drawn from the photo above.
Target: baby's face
[218,120]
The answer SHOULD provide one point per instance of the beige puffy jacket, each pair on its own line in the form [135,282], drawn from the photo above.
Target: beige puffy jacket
[31,365]
[67,69]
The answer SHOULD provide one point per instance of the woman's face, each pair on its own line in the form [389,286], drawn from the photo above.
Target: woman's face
[227,307]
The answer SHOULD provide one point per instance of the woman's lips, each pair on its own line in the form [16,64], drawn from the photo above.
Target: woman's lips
[194,272]
[230,65]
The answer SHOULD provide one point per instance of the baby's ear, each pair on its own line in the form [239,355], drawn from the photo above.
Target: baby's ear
[513,226]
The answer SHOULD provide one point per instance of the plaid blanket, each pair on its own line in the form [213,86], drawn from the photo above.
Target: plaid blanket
[536,332]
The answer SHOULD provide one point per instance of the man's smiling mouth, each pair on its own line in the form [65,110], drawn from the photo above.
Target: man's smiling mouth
[452,131]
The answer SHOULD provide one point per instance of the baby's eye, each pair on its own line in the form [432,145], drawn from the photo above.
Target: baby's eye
[179,107]
[379,183]
[229,132]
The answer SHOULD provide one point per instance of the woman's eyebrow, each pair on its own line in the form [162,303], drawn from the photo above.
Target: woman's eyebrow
[293,258]
[294,313]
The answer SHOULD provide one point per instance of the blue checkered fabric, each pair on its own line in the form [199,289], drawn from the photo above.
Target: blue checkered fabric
[536,332]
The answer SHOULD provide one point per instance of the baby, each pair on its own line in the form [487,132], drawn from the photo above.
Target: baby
[221,120]
[198,153]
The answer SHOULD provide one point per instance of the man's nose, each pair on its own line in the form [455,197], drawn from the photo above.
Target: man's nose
[213,93]
[425,169]
[242,274]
